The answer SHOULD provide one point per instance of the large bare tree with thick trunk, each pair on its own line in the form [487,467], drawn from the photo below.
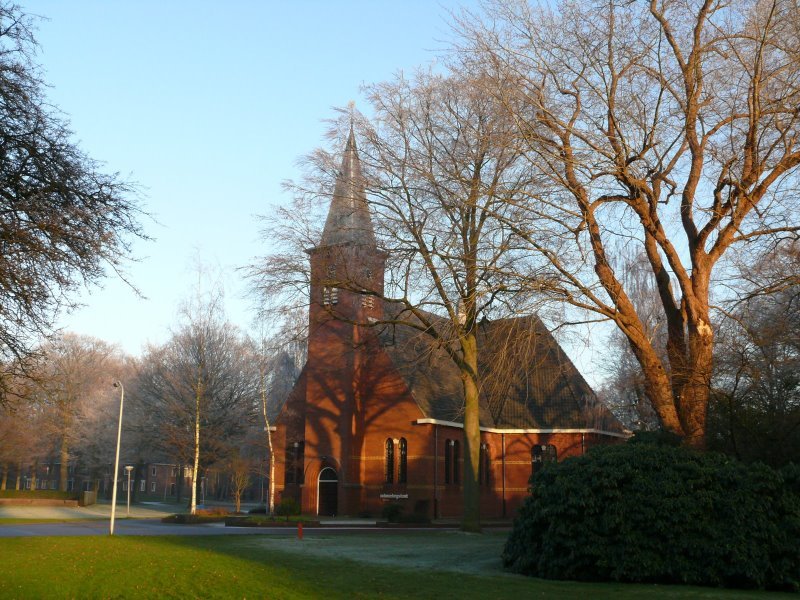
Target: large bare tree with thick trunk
[669,126]
[195,395]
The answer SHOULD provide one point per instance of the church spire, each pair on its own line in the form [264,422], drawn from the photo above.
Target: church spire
[348,219]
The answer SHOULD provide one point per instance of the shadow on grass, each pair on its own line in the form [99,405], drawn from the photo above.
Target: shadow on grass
[325,565]
[427,564]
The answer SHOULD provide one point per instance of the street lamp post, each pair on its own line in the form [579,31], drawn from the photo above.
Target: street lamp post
[129,468]
[116,459]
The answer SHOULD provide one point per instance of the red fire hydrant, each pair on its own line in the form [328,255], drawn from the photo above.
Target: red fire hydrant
[300,530]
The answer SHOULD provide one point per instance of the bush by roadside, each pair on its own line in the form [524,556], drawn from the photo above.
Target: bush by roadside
[644,512]
[205,515]
[267,521]
[395,513]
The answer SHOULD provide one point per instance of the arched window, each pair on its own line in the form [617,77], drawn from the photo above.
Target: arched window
[389,462]
[484,463]
[402,466]
[541,454]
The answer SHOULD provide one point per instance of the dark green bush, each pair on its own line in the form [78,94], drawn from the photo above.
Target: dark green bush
[261,509]
[657,513]
[189,519]
[287,507]
[412,518]
[391,512]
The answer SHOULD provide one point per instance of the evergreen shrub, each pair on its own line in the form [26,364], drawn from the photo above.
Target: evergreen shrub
[287,507]
[391,512]
[654,512]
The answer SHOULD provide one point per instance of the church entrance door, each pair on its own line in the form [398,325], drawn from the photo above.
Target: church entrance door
[328,492]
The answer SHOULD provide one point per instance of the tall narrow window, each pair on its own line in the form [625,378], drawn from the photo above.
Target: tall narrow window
[330,294]
[289,472]
[295,457]
[456,458]
[402,466]
[388,469]
[484,463]
[299,462]
[367,301]
[448,461]
[541,454]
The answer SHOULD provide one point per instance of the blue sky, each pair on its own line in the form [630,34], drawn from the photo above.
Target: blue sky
[208,106]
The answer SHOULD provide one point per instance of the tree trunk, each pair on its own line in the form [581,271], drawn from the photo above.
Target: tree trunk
[271,479]
[63,472]
[198,396]
[179,484]
[658,388]
[5,477]
[471,520]
[692,399]
[138,474]
[193,507]
[271,491]
[19,476]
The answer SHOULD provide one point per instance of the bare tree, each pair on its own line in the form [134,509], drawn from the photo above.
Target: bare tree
[71,382]
[240,470]
[624,388]
[670,127]
[20,442]
[63,221]
[198,392]
[755,407]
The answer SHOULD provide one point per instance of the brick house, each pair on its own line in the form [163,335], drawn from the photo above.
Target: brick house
[376,413]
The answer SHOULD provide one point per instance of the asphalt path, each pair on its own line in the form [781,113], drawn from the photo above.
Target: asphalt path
[121,527]
[156,527]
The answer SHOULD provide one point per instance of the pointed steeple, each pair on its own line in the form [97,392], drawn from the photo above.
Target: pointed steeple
[348,219]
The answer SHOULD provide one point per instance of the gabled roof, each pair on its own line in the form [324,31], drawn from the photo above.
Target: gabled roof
[527,381]
[348,220]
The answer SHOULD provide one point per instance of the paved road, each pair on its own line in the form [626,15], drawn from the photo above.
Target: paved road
[123,527]
[156,527]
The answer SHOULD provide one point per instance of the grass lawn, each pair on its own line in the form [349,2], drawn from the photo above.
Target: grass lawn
[393,565]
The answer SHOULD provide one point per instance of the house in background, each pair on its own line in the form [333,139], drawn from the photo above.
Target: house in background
[376,414]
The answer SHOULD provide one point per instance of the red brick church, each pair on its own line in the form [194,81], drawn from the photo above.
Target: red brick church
[376,414]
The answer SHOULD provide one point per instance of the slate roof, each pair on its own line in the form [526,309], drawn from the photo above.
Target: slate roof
[527,381]
[348,220]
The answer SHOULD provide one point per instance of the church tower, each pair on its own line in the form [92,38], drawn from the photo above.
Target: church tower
[347,278]
[347,268]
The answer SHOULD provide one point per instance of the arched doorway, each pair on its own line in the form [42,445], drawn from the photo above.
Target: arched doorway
[327,492]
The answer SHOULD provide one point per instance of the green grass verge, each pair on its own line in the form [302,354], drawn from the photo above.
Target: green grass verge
[253,566]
